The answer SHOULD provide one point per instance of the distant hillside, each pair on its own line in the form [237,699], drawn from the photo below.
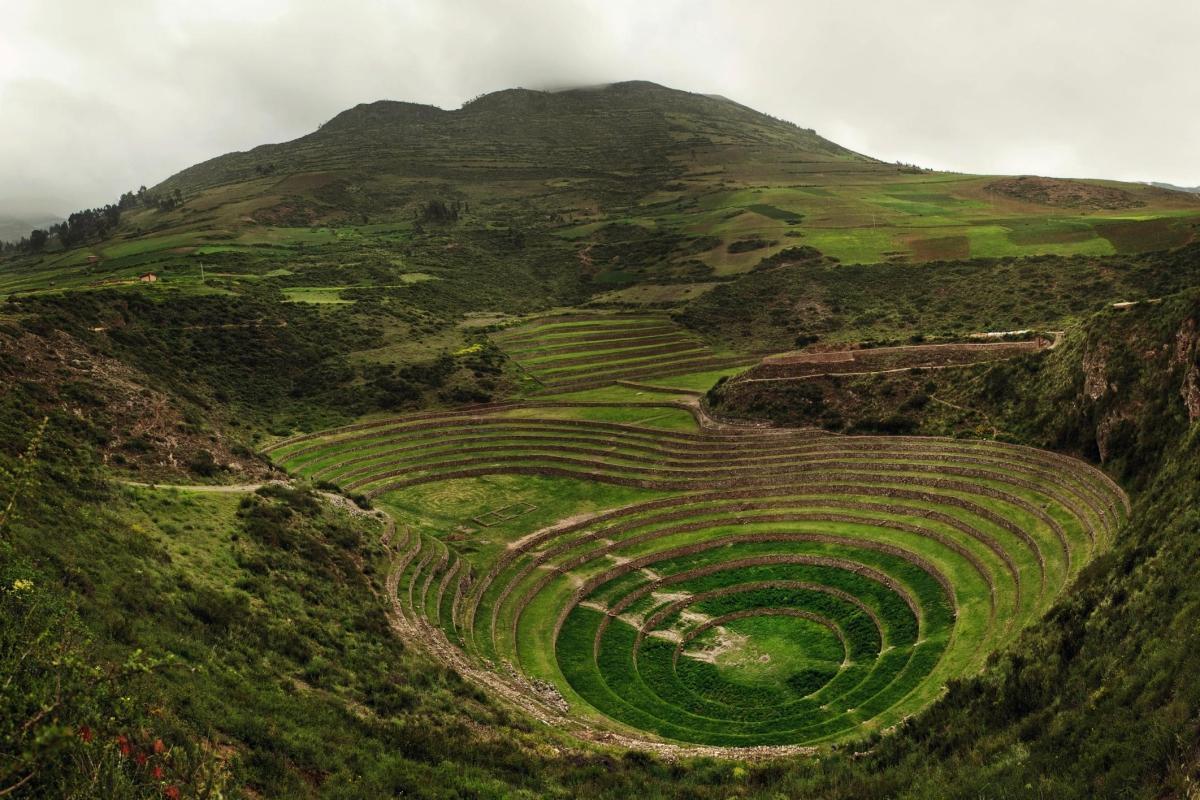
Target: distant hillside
[1173,187]
[12,228]
[606,131]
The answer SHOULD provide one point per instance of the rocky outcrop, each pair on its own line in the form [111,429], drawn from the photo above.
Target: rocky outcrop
[1095,382]
[1187,354]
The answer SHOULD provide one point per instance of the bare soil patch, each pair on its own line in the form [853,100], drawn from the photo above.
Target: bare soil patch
[882,359]
[1063,193]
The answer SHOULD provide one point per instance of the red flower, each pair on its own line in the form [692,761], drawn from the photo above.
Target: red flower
[159,747]
[85,733]
[140,758]
[123,743]
[171,792]
[156,773]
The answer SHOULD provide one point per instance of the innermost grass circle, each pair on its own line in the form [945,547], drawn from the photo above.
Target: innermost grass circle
[777,651]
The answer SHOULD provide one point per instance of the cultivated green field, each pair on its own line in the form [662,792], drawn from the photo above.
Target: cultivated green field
[573,352]
[884,216]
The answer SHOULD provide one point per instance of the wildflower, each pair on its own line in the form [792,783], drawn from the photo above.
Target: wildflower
[171,793]
[123,744]
[22,585]
[140,758]
[85,733]
[159,747]
[157,773]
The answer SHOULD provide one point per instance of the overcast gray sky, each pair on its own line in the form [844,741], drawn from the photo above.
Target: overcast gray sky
[98,97]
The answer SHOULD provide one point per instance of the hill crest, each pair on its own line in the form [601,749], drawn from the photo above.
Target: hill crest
[609,129]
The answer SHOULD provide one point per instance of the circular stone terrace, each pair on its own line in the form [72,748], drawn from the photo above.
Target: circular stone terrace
[772,589]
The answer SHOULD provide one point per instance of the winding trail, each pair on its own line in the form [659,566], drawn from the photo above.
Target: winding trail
[233,488]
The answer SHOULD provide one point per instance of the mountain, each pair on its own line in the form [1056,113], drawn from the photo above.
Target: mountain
[600,133]
[633,182]
[13,228]
[1174,188]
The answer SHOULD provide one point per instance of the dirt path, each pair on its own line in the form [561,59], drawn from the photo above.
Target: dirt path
[995,431]
[341,501]
[785,359]
[656,389]
[849,374]
[233,488]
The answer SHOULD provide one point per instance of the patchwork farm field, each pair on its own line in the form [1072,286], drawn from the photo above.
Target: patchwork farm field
[877,215]
[630,570]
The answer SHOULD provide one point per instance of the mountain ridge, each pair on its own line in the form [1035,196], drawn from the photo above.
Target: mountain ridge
[596,123]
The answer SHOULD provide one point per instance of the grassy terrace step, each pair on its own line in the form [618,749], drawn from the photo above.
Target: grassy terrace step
[574,337]
[586,350]
[548,365]
[425,450]
[591,344]
[781,587]
[664,368]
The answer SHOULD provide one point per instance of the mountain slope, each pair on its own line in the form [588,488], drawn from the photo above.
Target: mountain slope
[518,134]
[13,228]
[608,188]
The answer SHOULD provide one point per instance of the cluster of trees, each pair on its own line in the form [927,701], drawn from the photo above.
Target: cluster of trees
[92,224]
[906,167]
[439,212]
[147,199]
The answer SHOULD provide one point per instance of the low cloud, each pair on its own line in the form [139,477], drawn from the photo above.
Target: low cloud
[99,98]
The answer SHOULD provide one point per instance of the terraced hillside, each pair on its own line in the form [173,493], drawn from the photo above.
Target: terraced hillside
[579,351]
[800,365]
[637,573]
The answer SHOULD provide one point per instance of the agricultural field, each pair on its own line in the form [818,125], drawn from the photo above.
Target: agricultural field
[883,216]
[572,352]
[631,569]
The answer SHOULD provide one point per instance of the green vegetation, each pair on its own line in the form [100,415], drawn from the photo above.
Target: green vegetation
[485,345]
[798,297]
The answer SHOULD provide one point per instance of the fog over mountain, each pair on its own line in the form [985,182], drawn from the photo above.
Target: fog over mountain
[161,84]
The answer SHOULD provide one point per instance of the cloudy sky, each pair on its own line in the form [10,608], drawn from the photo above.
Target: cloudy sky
[98,97]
